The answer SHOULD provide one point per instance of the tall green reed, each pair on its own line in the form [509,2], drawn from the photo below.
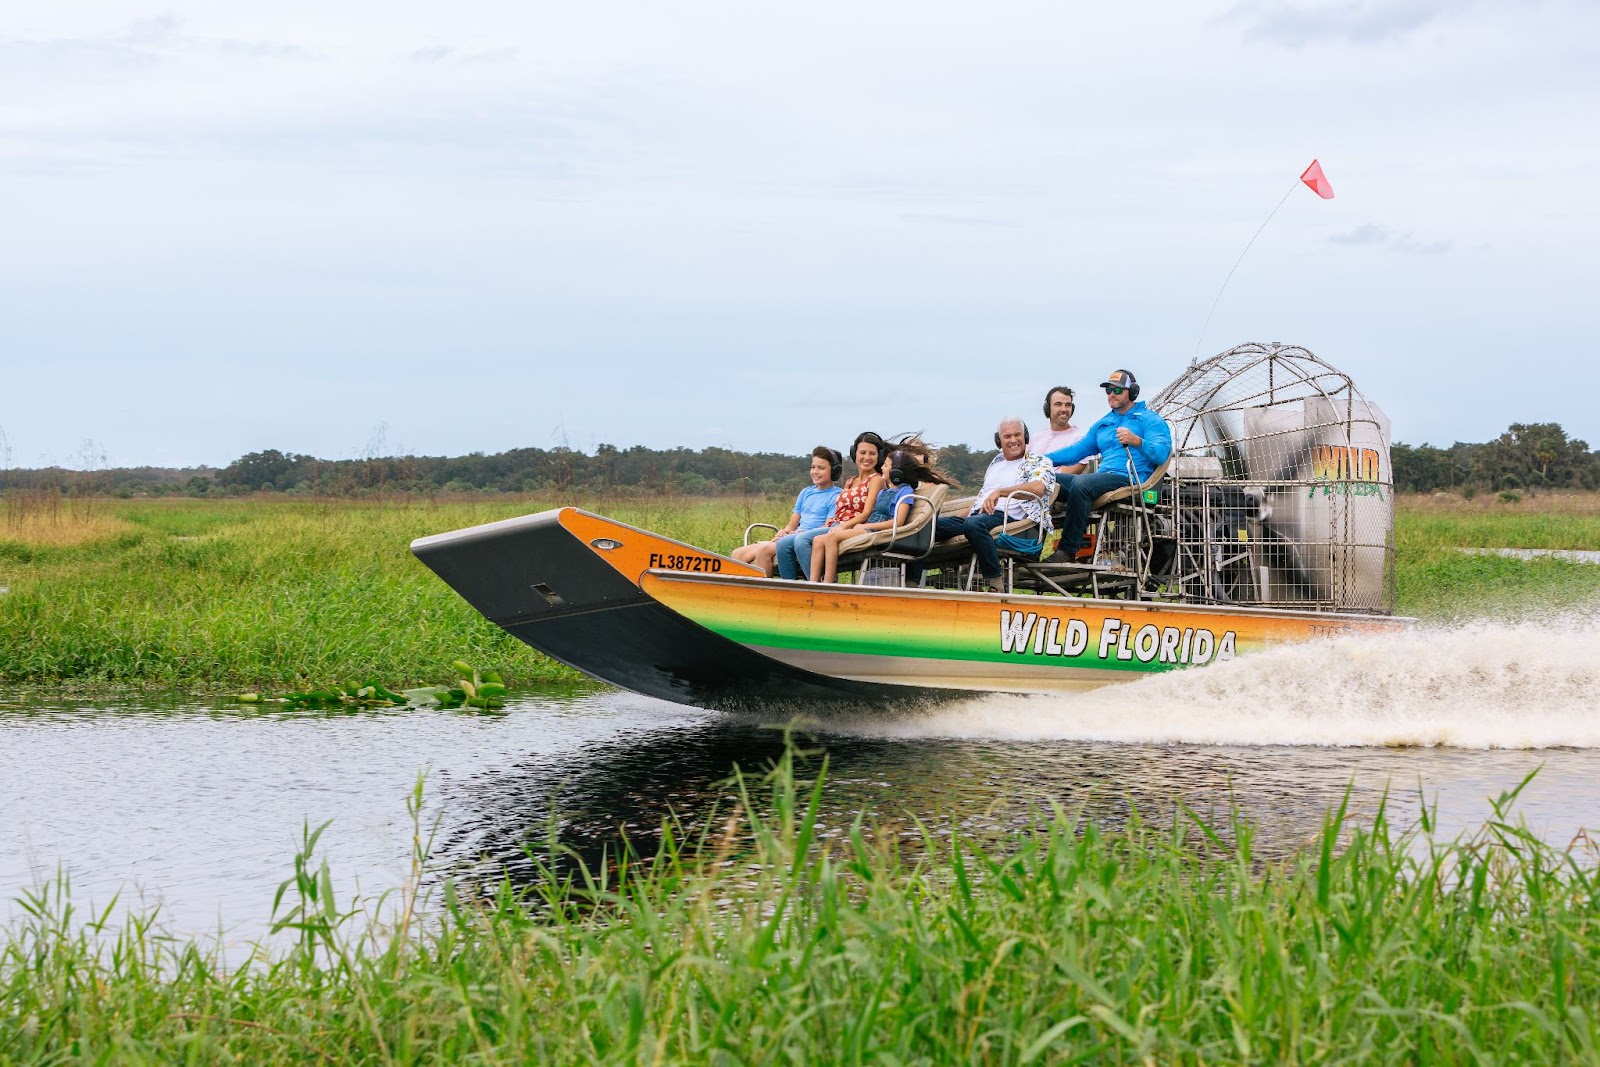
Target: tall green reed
[747,939]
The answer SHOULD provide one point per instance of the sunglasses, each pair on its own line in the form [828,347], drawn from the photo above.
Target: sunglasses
[1113,390]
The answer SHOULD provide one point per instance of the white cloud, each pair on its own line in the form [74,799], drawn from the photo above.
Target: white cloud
[1372,235]
[1353,21]
[762,201]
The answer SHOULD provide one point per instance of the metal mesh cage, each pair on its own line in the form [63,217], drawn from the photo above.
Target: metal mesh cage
[1280,489]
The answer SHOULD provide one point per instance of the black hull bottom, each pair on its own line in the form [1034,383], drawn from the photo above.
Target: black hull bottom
[648,649]
[538,582]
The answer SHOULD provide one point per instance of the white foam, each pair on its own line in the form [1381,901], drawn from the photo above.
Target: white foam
[1484,685]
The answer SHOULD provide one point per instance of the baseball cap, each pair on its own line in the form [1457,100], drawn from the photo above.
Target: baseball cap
[1121,379]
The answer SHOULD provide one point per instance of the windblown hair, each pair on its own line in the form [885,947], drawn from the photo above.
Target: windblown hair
[913,442]
[915,459]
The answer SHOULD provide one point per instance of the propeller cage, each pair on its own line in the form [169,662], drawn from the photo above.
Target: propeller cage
[1280,491]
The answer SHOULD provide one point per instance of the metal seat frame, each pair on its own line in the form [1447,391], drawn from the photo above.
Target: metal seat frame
[1101,576]
[856,561]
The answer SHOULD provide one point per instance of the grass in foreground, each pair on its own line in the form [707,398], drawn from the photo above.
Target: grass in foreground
[746,941]
[243,594]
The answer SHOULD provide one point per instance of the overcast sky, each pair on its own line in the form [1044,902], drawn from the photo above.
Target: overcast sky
[370,228]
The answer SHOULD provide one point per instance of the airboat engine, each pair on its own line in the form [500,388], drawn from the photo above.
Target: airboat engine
[1281,484]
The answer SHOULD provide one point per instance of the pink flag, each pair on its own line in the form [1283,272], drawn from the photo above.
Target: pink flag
[1317,182]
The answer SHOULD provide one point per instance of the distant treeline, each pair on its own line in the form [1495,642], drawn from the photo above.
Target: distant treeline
[1526,456]
[1536,455]
[708,471]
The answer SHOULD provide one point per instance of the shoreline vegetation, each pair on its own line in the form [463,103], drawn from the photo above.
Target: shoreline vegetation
[754,934]
[227,595]
[758,936]
[1528,457]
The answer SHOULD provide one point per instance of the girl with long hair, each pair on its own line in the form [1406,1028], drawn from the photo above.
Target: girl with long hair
[906,467]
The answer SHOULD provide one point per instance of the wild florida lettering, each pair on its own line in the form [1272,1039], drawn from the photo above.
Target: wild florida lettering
[1349,471]
[1027,633]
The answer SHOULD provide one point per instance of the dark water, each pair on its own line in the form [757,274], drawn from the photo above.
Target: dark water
[199,810]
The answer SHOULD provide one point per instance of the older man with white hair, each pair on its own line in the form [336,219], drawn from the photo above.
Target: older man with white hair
[1014,487]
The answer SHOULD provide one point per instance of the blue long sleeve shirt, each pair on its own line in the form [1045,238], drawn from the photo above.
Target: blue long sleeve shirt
[1101,440]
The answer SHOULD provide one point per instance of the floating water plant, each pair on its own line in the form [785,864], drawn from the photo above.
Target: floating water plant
[485,691]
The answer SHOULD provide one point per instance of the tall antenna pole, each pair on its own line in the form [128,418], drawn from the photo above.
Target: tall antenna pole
[1201,339]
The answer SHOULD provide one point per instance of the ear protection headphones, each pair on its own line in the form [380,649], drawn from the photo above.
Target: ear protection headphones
[869,438]
[1025,436]
[838,464]
[1053,392]
[897,473]
[1128,382]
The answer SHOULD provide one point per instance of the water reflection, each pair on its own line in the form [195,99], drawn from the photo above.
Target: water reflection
[199,808]
[591,801]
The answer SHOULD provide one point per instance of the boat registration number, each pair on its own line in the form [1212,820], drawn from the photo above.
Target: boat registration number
[668,562]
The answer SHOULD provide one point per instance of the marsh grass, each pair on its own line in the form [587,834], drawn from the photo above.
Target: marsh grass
[1549,520]
[749,939]
[26,532]
[256,593]
[225,595]
[1436,581]
[244,593]
[45,516]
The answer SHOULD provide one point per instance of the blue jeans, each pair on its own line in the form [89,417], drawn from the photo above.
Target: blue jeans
[794,553]
[975,528]
[1080,491]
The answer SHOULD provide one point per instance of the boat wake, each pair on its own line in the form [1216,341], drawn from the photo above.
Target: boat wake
[1488,685]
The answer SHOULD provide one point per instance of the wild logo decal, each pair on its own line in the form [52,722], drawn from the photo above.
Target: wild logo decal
[1351,471]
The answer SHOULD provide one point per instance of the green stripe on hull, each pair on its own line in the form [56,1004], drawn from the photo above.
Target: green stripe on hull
[971,652]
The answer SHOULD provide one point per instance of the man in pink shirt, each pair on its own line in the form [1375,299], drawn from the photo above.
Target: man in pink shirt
[1059,405]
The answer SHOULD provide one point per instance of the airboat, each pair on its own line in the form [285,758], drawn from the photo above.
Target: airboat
[1271,523]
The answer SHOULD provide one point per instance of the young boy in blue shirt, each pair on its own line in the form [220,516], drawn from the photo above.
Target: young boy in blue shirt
[811,509]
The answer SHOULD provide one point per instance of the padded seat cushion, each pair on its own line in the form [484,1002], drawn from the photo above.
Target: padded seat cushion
[1127,491]
[1024,528]
[1023,532]
[959,505]
[920,516]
